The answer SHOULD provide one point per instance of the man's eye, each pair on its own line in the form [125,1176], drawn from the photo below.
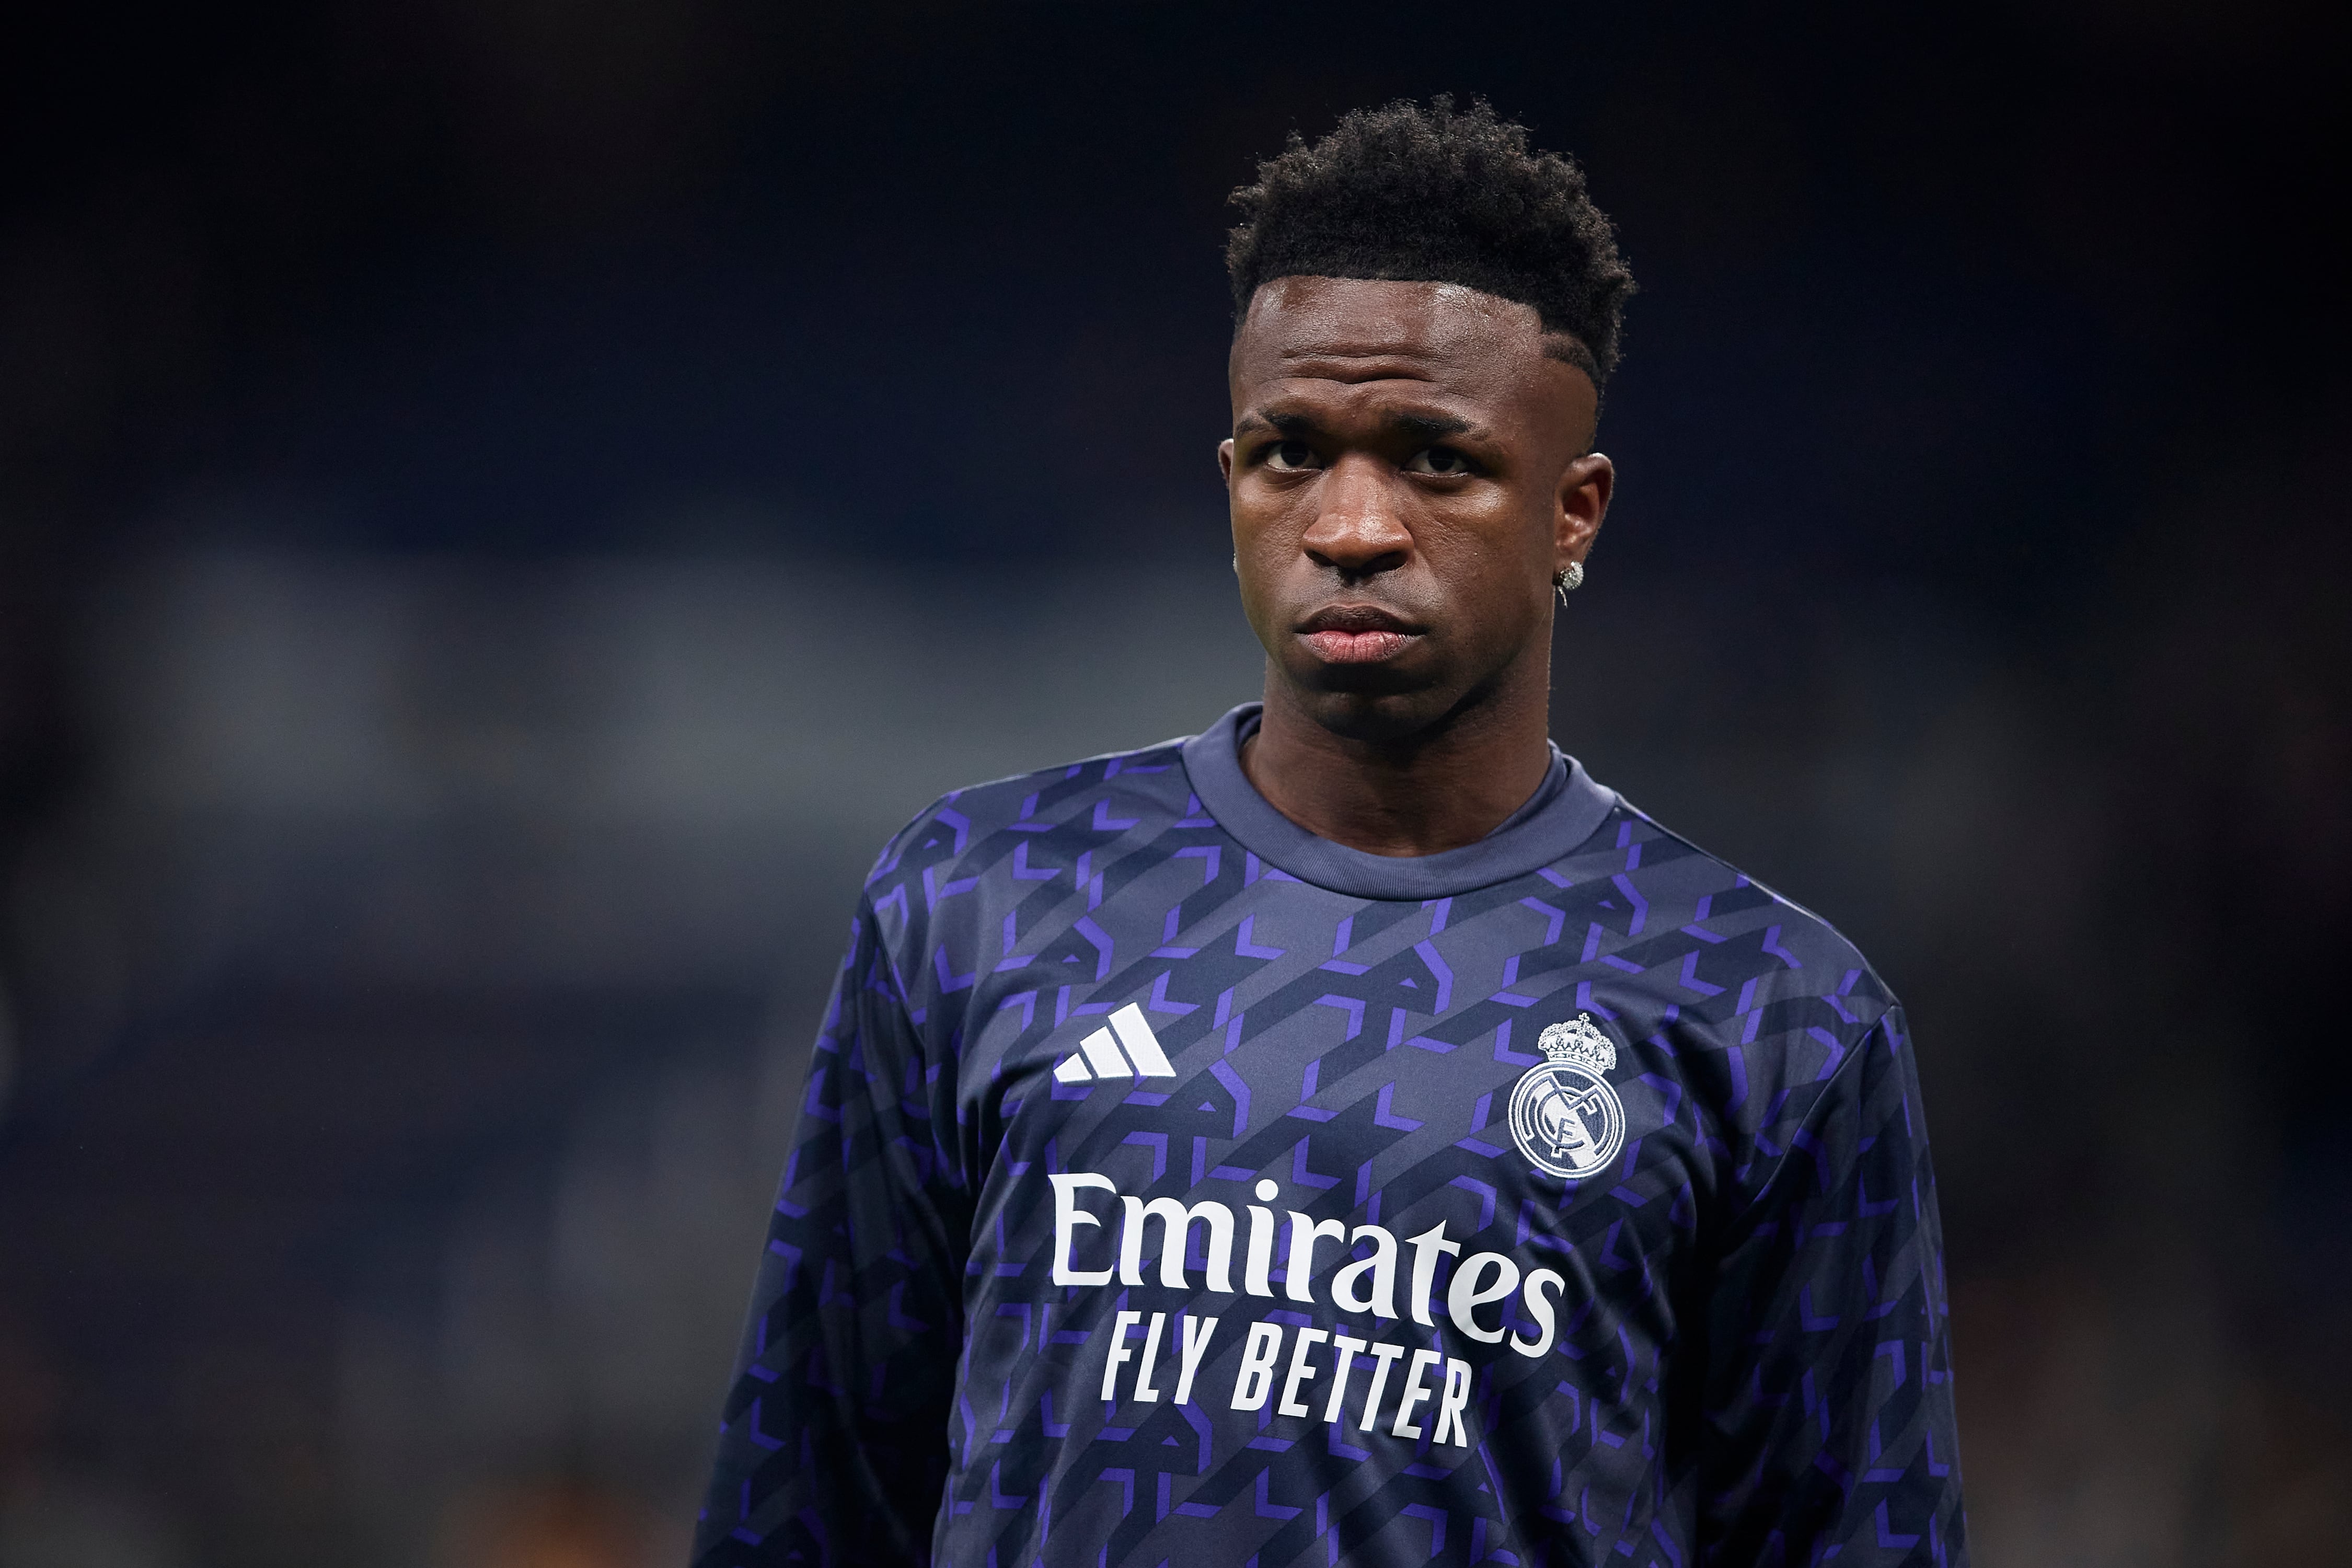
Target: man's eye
[1438,460]
[1284,456]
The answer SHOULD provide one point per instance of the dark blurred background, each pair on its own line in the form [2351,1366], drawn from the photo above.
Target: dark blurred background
[503,505]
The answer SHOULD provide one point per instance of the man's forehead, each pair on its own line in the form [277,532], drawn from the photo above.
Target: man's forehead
[1295,325]
[1399,406]
[1337,341]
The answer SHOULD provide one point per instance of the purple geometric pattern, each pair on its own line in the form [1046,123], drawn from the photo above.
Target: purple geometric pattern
[1726,1346]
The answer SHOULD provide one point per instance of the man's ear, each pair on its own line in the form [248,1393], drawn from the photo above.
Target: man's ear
[1579,505]
[1225,460]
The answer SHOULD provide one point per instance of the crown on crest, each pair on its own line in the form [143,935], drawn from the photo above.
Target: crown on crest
[1580,1041]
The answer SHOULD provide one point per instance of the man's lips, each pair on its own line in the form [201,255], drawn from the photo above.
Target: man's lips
[1356,633]
[1357,648]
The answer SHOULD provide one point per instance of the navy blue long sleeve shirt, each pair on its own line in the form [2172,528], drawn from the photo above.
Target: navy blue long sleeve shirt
[1172,1185]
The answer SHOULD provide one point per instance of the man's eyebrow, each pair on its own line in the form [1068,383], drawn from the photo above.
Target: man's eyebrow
[1421,427]
[1297,427]
[1425,426]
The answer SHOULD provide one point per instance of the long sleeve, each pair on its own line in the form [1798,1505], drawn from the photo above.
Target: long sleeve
[835,1443]
[1829,1415]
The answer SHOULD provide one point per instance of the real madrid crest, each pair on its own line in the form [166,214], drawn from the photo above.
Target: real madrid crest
[1565,1117]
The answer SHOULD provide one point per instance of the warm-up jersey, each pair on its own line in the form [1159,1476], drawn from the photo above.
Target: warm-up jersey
[1174,1186]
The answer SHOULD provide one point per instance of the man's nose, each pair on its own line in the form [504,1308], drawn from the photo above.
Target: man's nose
[1358,531]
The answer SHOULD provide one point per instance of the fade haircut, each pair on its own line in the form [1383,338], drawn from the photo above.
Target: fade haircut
[1439,195]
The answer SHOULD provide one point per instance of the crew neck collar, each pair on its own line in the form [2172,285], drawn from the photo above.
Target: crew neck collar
[1566,809]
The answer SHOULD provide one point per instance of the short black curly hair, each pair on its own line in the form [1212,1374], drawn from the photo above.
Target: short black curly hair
[1439,195]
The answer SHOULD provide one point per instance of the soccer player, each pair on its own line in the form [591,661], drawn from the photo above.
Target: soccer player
[1353,1134]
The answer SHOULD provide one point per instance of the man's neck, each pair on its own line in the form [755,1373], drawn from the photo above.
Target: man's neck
[1440,790]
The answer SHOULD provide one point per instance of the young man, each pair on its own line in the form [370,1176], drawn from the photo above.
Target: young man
[1353,1134]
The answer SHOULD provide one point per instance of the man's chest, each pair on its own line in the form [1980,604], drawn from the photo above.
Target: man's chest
[1236,1167]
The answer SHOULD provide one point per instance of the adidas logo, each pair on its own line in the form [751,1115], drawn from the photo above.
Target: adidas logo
[1098,1055]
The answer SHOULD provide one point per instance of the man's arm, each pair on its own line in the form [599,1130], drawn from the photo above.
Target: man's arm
[1829,1398]
[835,1446]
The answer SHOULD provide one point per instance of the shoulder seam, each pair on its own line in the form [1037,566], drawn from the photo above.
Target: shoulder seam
[1769,890]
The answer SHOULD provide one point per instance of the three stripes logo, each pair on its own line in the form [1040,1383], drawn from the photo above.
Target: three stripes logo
[1098,1056]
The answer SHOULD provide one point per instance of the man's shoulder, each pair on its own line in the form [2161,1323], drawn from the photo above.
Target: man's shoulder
[1102,797]
[1733,928]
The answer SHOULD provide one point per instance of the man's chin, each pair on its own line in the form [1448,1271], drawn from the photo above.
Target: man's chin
[1375,715]
[1355,681]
